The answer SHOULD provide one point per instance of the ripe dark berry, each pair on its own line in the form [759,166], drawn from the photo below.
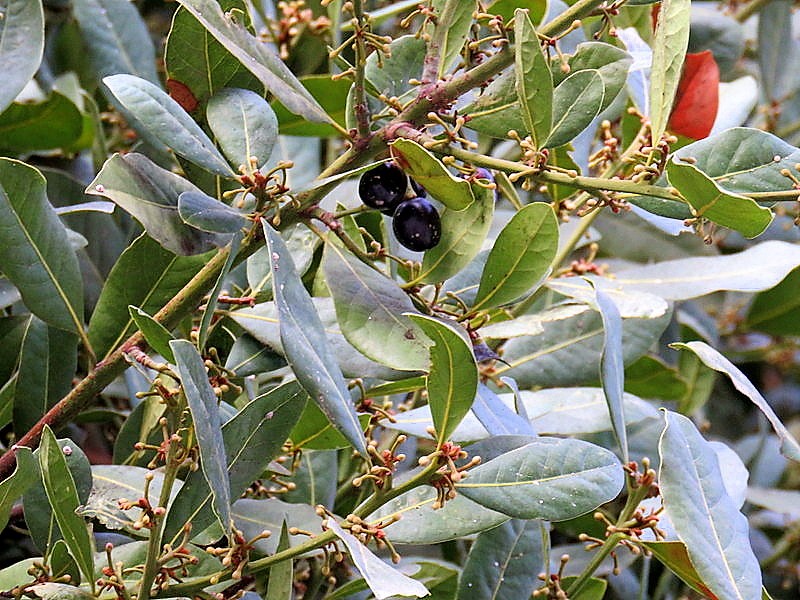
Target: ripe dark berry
[417,225]
[383,187]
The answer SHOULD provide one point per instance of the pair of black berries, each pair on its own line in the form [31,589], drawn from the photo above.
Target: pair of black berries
[415,221]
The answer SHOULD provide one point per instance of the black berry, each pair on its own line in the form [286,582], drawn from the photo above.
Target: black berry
[417,225]
[383,187]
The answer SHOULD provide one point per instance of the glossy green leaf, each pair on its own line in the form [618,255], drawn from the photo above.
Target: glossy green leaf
[209,214]
[420,523]
[406,60]
[774,310]
[674,556]
[568,351]
[12,488]
[593,589]
[306,346]
[116,38]
[790,448]
[114,483]
[384,580]
[48,359]
[203,405]
[756,269]
[551,479]
[650,377]
[497,418]
[60,591]
[261,321]
[157,336]
[53,123]
[36,255]
[430,173]
[497,110]
[150,194]
[213,299]
[612,368]
[194,58]
[146,276]
[670,42]
[463,233]
[257,57]
[167,122]
[63,497]
[248,356]
[450,32]
[534,83]
[520,258]
[250,440]
[704,516]
[452,378]
[576,102]
[505,8]
[244,125]
[332,97]
[554,411]
[503,562]
[281,576]
[369,308]
[710,201]
[612,64]
[254,516]
[21,46]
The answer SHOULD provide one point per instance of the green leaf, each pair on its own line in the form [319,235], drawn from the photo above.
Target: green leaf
[405,62]
[209,214]
[158,337]
[36,254]
[116,38]
[250,440]
[505,8]
[612,368]
[420,523]
[790,448]
[53,123]
[611,63]
[430,173]
[450,32]
[332,97]
[63,497]
[203,405]
[12,488]
[520,258]
[534,82]
[315,477]
[112,483]
[244,125]
[167,122]
[306,346]
[650,377]
[674,556]
[704,516]
[384,581]
[593,589]
[197,60]
[555,411]
[214,294]
[774,310]
[261,321]
[257,57]
[21,46]
[670,42]
[48,359]
[146,276]
[463,233]
[60,591]
[497,110]
[501,561]
[369,308]
[710,201]
[453,376]
[576,102]
[248,356]
[150,194]
[281,576]
[550,479]
[568,351]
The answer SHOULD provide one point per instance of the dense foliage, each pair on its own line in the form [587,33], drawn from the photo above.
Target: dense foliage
[351,299]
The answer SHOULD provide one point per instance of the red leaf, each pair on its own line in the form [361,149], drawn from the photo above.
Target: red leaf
[697,98]
[181,93]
